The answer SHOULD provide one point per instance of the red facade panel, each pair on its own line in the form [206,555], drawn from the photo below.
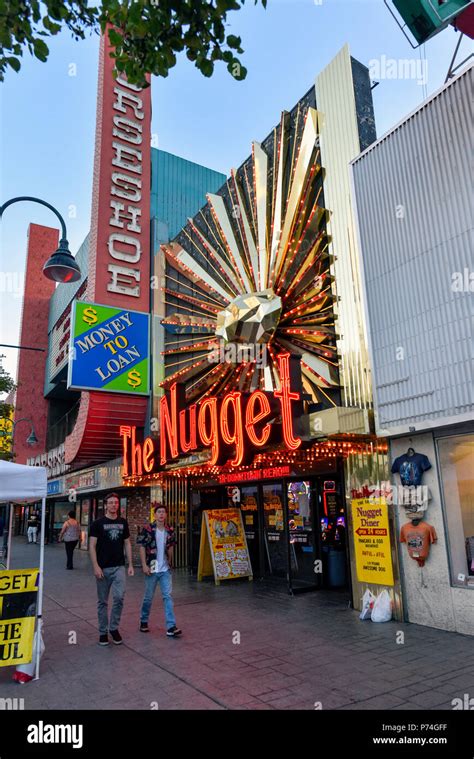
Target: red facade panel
[30,402]
[119,253]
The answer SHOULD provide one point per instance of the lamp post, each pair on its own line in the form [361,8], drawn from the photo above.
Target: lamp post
[30,440]
[61,266]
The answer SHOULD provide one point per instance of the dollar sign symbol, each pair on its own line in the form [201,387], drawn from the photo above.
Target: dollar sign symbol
[134,378]
[89,316]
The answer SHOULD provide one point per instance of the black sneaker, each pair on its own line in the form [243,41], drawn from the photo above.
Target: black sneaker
[173,632]
[116,637]
[104,640]
[144,627]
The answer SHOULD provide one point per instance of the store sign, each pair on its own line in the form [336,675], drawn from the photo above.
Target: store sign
[59,345]
[55,487]
[18,594]
[223,551]
[372,541]
[119,255]
[82,480]
[234,426]
[270,473]
[109,349]
[53,460]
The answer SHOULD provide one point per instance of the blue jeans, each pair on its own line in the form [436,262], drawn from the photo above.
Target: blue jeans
[151,581]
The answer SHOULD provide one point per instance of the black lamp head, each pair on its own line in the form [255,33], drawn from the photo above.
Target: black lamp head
[32,439]
[62,266]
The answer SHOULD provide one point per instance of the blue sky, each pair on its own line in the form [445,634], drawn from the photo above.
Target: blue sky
[48,115]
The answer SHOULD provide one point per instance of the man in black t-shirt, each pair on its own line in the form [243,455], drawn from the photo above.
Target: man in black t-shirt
[108,538]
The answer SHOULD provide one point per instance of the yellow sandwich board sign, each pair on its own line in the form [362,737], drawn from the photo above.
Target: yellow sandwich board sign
[18,594]
[223,551]
[372,541]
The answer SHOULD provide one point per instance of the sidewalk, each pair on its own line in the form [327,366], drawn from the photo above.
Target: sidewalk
[293,651]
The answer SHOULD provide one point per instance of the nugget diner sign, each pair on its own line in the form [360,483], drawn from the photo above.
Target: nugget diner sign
[234,426]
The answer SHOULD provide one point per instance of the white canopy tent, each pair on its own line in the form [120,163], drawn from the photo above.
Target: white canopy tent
[21,483]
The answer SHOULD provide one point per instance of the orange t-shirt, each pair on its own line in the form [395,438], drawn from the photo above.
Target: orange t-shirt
[418,539]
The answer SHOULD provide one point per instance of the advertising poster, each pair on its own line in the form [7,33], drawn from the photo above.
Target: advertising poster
[372,541]
[109,349]
[223,551]
[18,594]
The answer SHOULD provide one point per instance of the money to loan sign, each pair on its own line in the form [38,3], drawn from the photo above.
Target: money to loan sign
[109,349]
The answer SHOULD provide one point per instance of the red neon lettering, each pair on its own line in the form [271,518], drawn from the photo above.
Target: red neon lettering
[191,444]
[125,433]
[237,437]
[286,397]
[148,458]
[169,425]
[212,437]
[136,454]
[252,418]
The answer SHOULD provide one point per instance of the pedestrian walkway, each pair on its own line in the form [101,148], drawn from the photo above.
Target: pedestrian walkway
[304,652]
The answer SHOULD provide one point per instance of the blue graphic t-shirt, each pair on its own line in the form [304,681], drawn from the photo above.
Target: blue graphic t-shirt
[411,468]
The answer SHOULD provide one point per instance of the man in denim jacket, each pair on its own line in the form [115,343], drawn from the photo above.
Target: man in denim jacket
[156,542]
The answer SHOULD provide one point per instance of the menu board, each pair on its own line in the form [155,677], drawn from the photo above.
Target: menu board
[223,551]
[373,551]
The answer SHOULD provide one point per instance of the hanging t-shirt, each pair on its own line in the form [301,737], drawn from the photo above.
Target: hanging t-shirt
[418,539]
[111,535]
[411,468]
[161,564]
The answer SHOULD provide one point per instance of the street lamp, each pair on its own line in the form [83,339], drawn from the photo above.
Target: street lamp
[30,440]
[62,266]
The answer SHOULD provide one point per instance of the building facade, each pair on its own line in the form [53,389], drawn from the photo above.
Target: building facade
[260,393]
[413,191]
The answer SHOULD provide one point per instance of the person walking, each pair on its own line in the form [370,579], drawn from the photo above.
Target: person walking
[32,527]
[71,534]
[109,538]
[156,542]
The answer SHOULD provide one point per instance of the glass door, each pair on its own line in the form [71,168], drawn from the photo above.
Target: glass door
[303,537]
[274,532]
[249,509]
[332,533]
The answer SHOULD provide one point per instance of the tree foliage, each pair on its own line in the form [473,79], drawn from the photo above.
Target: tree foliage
[146,34]
[6,415]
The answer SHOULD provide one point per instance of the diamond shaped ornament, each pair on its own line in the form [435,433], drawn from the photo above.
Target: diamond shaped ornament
[250,318]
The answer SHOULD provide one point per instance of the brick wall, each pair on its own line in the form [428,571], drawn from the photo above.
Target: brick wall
[30,402]
[138,514]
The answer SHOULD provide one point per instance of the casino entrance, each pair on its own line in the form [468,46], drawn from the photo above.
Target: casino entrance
[295,527]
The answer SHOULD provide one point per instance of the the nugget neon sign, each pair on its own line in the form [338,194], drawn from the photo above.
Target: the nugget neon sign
[233,427]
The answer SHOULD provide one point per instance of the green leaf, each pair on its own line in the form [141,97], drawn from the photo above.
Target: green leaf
[206,67]
[41,50]
[14,63]
[233,41]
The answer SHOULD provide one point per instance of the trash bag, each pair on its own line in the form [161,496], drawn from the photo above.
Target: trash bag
[367,605]
[26,672]
[382,611]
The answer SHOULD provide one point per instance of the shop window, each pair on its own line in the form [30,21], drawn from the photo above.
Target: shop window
[456,458]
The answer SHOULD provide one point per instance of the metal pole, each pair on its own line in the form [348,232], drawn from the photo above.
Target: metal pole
[39,608]
[10,524]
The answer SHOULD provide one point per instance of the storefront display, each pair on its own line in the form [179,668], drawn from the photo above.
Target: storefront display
[418,536]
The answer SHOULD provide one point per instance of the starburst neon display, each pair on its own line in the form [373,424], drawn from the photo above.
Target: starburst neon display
[252,270]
